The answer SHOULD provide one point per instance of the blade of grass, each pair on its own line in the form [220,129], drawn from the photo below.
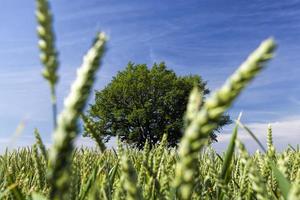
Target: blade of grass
[88,185]
[292,147]
[230,150]
[252,135]
[283,183]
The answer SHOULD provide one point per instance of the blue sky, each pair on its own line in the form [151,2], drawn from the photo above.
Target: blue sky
[209,38]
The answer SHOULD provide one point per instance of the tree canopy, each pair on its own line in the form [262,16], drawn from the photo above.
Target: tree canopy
[142,104]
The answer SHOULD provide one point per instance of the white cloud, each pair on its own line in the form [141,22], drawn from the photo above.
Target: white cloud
[84,141]
[88,142]
[285,131]
[12,143]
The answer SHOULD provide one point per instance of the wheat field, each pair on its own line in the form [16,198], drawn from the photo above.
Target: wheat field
[149,174]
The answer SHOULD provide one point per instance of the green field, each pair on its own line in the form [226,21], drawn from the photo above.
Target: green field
[150,174]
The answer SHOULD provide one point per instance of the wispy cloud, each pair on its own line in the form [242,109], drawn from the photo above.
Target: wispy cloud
[295,100]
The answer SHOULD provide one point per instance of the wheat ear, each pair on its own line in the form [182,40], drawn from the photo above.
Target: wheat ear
[196,134]
[48,55]
[67,130]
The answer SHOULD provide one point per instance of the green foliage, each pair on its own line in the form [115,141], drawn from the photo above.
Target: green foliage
[142,104]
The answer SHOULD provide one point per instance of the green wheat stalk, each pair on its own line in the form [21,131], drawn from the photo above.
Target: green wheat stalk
[67,129]
[129,179]
[41,145]
[48,55]
[91,129]
[196,134]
